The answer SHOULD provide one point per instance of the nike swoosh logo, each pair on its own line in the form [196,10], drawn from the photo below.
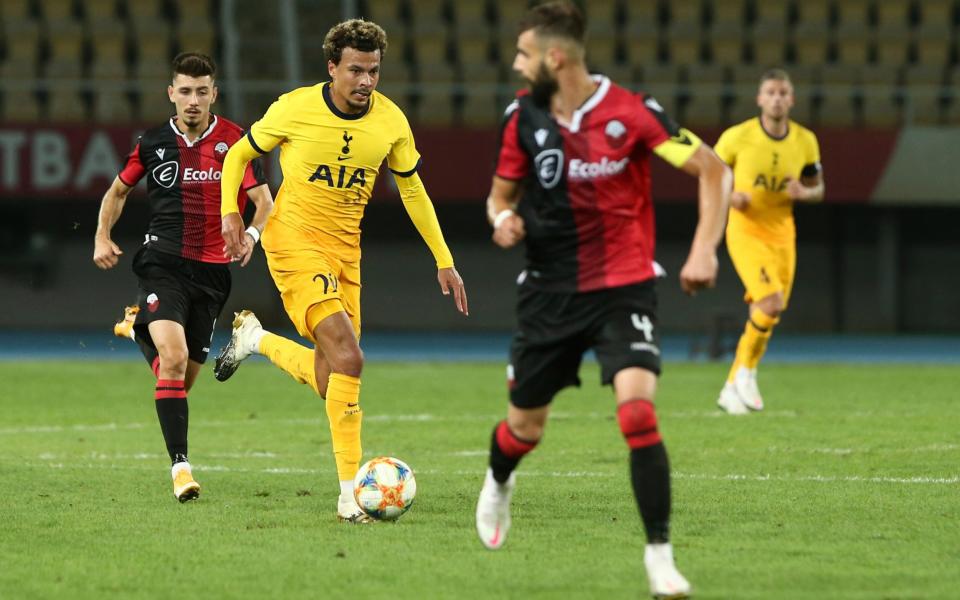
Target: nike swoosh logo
[342,157]
[682,138]
[352,405]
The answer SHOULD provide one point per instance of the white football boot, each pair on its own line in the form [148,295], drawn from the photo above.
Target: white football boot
[666,582]
[730,401]
[746,384]
[244,341]
[184,486]
[493,510]
[348,511]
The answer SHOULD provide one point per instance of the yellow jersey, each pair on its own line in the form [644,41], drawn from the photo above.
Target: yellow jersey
[330,160]
[762,167]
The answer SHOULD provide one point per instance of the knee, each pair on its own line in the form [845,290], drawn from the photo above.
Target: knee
[638,423]
[348,360]
[526,427]
[772,305]
[174,360]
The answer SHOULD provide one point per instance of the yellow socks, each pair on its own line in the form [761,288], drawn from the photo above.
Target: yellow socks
[343,411]
[296,360]
[753,342]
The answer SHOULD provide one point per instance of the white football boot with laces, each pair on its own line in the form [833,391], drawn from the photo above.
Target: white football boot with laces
[348,511]
[746,384]
[730,400]
[493,510]
[244,341]
[666,582]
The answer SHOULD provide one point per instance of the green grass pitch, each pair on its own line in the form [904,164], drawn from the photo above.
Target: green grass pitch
[847,486]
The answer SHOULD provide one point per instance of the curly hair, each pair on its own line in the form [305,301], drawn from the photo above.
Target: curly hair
[365,36]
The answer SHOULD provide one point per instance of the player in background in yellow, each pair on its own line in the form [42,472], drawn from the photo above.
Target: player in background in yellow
[333,137]
[776,162]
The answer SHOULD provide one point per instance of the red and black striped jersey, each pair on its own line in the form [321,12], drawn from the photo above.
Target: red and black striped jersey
[586,201]
[183,186]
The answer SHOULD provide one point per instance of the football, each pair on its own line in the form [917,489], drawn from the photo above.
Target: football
[385,488]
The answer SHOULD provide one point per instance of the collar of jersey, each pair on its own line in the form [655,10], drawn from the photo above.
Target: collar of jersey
[589,104]
[210,127]
[770,135]
[333,107]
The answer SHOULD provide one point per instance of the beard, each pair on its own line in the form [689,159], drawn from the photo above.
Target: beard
[542,87]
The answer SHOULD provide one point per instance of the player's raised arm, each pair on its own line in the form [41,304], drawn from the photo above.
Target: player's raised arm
[420,209]
[507,225]
[106,253]
[716,181]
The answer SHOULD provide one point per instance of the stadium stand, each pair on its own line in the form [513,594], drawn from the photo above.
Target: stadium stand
[860,63]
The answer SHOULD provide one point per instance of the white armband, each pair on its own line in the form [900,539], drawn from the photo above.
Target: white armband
[254,233]
[502,216]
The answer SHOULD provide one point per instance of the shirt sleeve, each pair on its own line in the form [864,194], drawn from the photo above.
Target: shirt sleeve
[512,161]
[253,176]
[133,169]
[726,147]
[403,159]
[812,166]
[272,128]
[662,135]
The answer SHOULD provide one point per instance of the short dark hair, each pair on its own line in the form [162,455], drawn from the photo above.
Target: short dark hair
[365,36]
[556,19]
[194,64]
[775,74]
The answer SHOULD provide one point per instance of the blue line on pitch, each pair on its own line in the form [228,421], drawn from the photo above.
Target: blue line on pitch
[463,347]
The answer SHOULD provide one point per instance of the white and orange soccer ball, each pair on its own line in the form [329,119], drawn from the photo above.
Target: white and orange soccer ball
[385,488]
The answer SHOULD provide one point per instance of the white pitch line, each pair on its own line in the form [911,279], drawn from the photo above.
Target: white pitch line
[200,468]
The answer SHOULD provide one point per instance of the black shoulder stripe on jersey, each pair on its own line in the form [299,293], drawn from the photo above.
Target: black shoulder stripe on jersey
[811,170]
[254,143]
[410,172]
[660,115]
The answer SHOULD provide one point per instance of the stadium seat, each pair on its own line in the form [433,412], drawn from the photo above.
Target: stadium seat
[802,105]
[20,107]
[892,49]
[771,16]
[481,72]
[813,18]
[430,50]
[936,16]
[924,107]
[428,17]
[65,104]
[152,51]
[836,108]
[509,13]
[684,49]
[743,107]
[811,49]
[472,49]
[728,17]
[100,11]
[109,54]
[199,37]
[933,47]
[111,106]
[853,48]
[701,110]
[471,17]
[506,45]
[435,108]
[193,10]
[57,11]
[23,52]
[685,14]
[893,17]
[602,51]
[654,73]
[769,48]
[602,19]
[621,74]
[481,108]
[852,17]
[14,11]
[382,11]
[642,21]
[726,47]
[155,105]
[878,103]
[642,50]
[66,51]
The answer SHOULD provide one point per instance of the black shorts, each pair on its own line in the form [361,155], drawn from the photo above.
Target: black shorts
[178,289]
[555,329]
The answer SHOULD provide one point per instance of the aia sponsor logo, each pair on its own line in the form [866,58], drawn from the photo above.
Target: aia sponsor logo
[582,170]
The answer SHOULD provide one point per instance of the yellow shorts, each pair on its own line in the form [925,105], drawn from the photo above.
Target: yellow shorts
[763,267]
[312,281]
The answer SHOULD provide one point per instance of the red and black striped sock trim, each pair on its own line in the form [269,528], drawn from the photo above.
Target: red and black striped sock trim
[170,388]
[638,423]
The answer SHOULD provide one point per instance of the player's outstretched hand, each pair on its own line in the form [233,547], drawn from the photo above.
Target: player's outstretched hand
[740,200]
[106,254]
[248,246]
[699,272]
[450,280]
[231,228]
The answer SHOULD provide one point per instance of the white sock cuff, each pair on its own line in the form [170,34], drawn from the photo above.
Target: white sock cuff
[180,466]
[256,337]
[346,488]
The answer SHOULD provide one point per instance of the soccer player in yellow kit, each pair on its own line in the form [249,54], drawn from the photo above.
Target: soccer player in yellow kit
[776,162]
[333,137]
